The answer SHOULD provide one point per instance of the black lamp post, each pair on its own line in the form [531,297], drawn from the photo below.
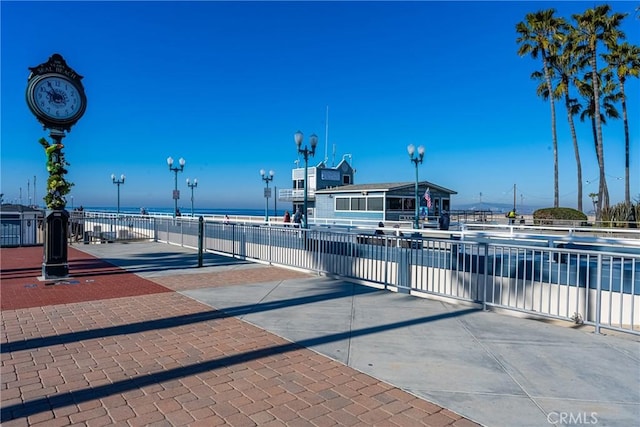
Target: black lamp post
[176,193]
[313,140]
[192,185]
[416,159]
[266,178]
[118,182]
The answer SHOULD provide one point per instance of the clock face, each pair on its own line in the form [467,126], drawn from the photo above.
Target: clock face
[57,99]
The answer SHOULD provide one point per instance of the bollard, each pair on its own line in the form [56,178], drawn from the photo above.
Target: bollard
[200,239]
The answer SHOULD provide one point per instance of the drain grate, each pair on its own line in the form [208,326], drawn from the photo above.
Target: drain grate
[64,282]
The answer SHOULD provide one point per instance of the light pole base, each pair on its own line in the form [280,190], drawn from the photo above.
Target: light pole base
[55,271]
[55,263]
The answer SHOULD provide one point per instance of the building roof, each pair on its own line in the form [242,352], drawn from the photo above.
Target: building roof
[13,208]
[385,187]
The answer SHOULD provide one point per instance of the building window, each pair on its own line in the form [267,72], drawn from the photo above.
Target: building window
[342,203]
[394,203]
[346,179]
[358,204]
[374,204]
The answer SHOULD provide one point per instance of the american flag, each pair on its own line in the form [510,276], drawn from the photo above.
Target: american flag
[427,197]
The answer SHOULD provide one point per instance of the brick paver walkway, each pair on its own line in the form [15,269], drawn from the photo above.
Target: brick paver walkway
[106,356]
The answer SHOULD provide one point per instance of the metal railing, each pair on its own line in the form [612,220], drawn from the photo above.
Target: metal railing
[593,279]
[594,282]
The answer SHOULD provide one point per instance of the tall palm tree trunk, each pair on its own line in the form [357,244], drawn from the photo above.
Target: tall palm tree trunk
[603,192]
[627,196]
[554,136]
[576,150]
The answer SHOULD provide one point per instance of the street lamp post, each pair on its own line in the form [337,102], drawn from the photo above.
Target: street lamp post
[416,159]
[266,178]
[313,140]
[192,186]
[176,193]
[118,182]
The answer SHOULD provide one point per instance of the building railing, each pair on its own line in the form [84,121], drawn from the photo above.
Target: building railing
[290,195]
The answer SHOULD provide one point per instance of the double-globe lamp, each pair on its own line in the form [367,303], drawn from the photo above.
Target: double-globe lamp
[267,193]
[176,193]
[192,185]
[313,141]
[416,159]
[116,182]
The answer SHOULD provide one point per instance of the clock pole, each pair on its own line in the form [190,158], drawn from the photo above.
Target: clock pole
[55,95]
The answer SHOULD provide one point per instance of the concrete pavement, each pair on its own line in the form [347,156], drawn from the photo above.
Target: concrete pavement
[375,357]
[495,369]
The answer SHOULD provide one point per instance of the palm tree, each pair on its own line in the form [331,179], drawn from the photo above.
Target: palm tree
[537,37]
[564,70]
[624,60]
[594,26]
[608,98]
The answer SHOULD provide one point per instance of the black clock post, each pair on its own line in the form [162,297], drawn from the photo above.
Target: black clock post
[55,95]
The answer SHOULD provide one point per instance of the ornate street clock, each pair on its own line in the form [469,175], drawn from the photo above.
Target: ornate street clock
[55,94]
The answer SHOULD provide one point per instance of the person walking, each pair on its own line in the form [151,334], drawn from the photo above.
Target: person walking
[297,218]
[287,218]
[444,220]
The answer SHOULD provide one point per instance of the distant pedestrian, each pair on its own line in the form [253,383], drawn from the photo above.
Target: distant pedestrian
[297,218]
[379,230]
[512,216]
[178,212]
[287,218]
[444,220]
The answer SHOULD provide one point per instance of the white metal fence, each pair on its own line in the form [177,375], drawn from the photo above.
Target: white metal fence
[591,281]
[583,276]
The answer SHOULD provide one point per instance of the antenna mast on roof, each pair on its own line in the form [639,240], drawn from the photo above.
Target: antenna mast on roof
[326,137]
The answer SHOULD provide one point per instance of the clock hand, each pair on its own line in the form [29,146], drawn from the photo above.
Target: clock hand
[55,96]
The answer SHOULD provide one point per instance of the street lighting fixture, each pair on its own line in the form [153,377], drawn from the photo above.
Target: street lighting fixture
[192,186]
[416,159]
[267,192]
[176,193]
[313,141]
[118,182]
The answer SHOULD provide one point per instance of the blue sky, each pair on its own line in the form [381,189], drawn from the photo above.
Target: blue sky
[225,85]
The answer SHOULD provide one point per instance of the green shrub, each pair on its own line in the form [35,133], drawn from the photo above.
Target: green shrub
[621,215]
[551,215]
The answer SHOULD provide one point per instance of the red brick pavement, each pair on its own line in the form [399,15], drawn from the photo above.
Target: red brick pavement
[90,279]
[160,358]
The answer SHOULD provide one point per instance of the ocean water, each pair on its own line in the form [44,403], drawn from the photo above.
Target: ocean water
[196,211]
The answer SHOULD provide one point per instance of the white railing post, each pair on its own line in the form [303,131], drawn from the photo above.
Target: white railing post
[598,294]
[485,247]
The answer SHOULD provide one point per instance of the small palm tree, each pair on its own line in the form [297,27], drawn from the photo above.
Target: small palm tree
[538,35]
[624,61]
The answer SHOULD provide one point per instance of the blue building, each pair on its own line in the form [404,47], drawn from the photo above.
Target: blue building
[382,202]
[320,177]
[332,194]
